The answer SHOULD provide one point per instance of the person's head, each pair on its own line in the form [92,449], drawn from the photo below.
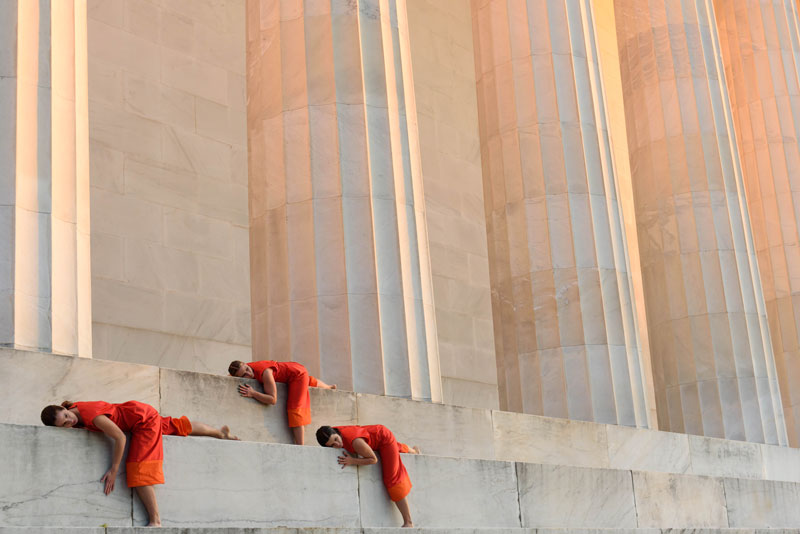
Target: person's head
[59,415]
[327,436]
[240,370]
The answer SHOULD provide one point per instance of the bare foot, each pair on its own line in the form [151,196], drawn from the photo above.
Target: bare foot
[333,386]
[408,525]
[416,450]
[226,433]
[154,524]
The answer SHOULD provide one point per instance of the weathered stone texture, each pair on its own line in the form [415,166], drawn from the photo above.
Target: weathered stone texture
[167,124]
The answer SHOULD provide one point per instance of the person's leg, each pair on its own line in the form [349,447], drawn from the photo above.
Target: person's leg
[299,435]
[148,496]
[317,383]
[202,429]
[402,505]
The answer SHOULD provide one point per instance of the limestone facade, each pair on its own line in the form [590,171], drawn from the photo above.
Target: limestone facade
[170,258]
[575,208]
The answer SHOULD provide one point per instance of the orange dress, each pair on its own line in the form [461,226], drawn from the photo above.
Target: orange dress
[145,455]
[293,374]
[381,439]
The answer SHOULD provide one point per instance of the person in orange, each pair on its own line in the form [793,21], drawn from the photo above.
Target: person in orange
[144,463]
[294,375]
[363,441]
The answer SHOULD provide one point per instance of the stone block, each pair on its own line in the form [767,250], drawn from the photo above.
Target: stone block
[762,504]
[59,378]
[469,393]
[191,152]
[50,473]
[446,493]
[647,450]
[437,429]
[725,458]
[121,215]
[679,501]
[215,400]
[194,76]
[781,463]
[107,256]
[243,484]
[115,302]
[575,497]
[530,438]
[197,233]
[197,317]
[113,46]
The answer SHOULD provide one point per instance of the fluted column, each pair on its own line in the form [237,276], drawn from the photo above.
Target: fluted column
[760,44]
[339,256]
[44,178]
[566,334]
[712,356]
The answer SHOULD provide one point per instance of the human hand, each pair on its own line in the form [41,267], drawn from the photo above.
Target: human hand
[345,460]
[246,391]
[109,478]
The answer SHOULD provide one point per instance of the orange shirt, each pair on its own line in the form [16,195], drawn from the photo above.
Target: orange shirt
[127,415]
[281,371]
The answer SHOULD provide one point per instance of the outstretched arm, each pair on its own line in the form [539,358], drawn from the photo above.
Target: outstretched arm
[111,430]
[362,449]
[270,394]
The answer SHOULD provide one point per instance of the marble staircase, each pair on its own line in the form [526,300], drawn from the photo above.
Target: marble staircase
[482,469]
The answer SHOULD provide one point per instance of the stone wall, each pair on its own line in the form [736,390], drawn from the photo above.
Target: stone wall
[170,261]
[444,83]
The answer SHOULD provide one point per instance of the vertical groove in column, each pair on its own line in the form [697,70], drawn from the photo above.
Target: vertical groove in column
[558,267]
[709,340]
[357,312]
[760,46]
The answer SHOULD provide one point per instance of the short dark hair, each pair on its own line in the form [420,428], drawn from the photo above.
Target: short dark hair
[324,433]
[233,368]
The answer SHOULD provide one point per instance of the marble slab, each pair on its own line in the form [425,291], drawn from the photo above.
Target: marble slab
[530,438]
[639,449]
[559,496]
[668,500]
[229,530]
[51,477]
[214,399]
[29,381]
[437,429]
[762,504]
[725,458]
[781,463]
[254,485]
[446,493]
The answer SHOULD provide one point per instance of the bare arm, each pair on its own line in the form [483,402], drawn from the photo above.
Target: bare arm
[111,430]
[362,449]
[270,394]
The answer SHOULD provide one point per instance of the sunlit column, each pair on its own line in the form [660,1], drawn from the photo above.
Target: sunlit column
[339,256]
[712,357]
[566,330]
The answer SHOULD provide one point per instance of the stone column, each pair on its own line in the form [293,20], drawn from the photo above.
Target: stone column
[565,329]
[760,45]
[44,182]
[339,256]
[712,356]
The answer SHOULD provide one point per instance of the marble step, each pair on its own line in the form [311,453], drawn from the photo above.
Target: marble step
[386,530]
[29,380]
[50,477]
